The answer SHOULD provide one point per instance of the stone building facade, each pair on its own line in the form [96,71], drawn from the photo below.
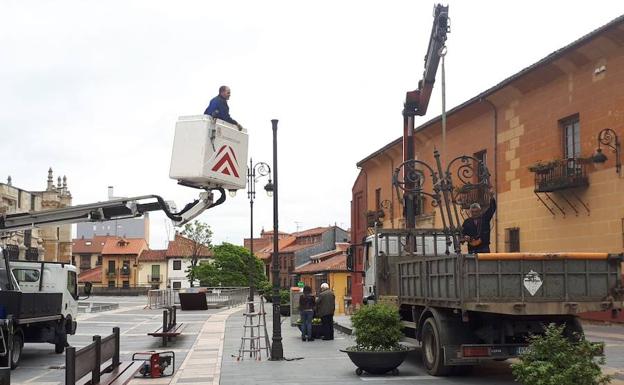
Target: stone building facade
[49,243]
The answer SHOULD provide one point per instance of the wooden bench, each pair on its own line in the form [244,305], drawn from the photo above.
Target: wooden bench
[170,328]
[98,363]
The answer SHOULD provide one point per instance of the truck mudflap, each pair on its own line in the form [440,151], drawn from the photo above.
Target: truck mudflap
[474,353]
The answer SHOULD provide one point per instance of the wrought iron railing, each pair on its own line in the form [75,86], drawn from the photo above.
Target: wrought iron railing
[374,217]
[561,174]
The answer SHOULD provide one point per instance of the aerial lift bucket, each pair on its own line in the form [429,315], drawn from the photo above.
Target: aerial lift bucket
[209,153]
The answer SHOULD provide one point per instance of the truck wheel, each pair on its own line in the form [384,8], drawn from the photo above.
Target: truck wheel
[16,353]
[432,352]
[59,348]
[60,343]
[574,329]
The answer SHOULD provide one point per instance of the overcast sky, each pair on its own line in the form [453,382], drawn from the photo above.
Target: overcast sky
[93,88]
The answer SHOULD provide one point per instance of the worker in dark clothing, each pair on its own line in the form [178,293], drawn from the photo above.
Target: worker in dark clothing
[325,307]
[476,229]
[218,107]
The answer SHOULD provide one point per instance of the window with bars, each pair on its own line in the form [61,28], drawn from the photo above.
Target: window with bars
[512,240]
[482,157]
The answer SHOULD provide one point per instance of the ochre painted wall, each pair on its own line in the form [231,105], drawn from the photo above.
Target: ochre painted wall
[527,130]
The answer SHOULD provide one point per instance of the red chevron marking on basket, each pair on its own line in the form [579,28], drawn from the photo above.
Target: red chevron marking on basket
[224,164]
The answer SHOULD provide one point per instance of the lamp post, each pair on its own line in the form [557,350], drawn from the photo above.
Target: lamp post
[260,169]
[608,138]
[277,350]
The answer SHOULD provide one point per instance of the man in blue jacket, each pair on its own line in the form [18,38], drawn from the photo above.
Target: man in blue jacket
[218,107]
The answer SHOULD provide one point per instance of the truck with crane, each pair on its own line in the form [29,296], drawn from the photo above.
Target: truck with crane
[39,299]
[467,308]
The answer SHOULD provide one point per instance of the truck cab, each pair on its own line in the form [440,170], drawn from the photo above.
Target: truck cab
[38,303]
[49,277]
[376,246]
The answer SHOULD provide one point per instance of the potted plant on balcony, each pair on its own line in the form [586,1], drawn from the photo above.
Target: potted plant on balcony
[377,333]
[541,168]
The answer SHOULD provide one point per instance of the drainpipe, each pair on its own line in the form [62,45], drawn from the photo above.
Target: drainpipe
[361,283]
[495,128]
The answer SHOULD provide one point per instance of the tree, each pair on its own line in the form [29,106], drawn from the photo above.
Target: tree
[201,236]
[230,267]
[553,359]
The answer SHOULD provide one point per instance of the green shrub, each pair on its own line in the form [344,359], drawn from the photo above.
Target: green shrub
[284,296]
[267,290]
[264,287]
[377,328]
[552,359]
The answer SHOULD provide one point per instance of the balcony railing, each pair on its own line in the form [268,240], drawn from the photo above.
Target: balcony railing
[155,278]
[124,272]
[561,174]
[374,217]
[468,194]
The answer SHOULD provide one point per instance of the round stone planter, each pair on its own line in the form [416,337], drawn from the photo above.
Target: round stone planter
[377,362]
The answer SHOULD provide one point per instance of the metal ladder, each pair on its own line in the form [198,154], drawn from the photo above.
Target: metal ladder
[254,332]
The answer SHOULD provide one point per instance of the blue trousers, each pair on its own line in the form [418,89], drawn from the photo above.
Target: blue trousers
[306,323]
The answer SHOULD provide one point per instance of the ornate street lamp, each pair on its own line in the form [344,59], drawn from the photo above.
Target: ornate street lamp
[277,350]
[254,173]
[608,138]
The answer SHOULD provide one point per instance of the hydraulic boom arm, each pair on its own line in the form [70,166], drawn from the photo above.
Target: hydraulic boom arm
[417,101]
[113,209]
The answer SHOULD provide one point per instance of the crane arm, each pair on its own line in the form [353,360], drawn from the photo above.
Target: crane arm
[417,101]
[109,210]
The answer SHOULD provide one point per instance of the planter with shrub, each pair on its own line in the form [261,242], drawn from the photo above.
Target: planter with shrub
[557,359]
[377,334]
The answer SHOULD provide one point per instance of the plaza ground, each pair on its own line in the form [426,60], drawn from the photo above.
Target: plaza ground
[207,352]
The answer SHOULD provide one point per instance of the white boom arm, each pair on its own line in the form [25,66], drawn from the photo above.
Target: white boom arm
[113,209]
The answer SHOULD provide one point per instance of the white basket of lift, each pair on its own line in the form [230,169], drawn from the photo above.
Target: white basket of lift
[209,153]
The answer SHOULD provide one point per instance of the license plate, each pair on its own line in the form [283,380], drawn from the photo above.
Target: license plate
[522,350]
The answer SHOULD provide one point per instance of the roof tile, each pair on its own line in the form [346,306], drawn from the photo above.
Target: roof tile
[153,255]
[124,246]
[183,247]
